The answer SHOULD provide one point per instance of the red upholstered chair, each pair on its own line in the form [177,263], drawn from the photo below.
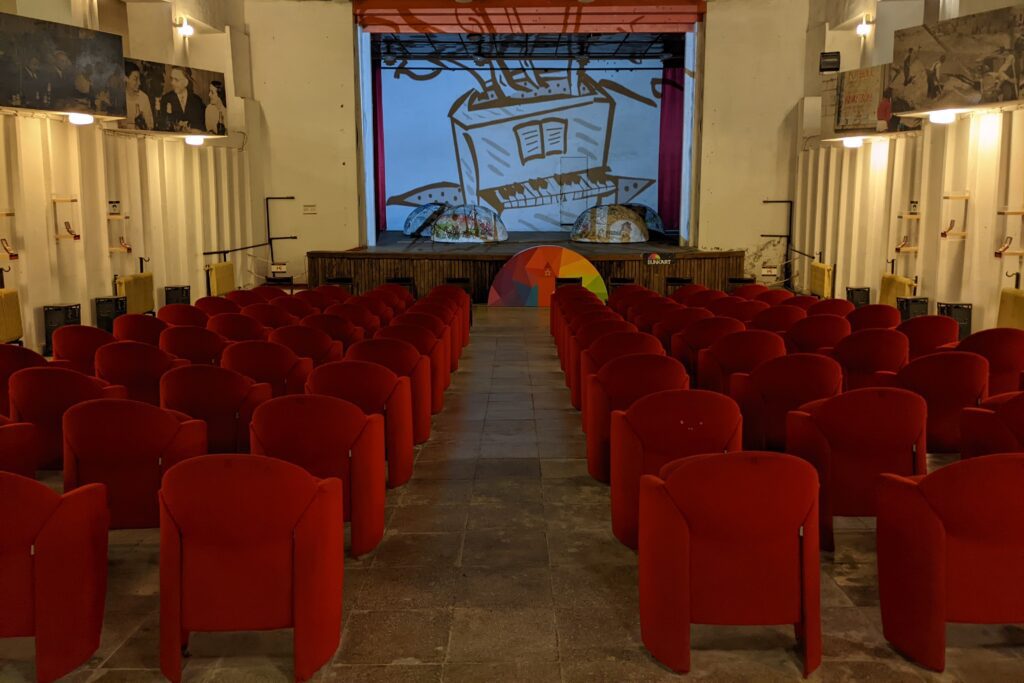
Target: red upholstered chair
[378,391]
[41,395]
[576,322]
[337,328]
[721,304]
[294,306]
[400,291]
[137,367]
[573,309]
[868,357]
[742,351]
[215,305]
[816,333]
[223,398]
[853,438]
[840,307]
[316,299]
[950,549]
[774,297]
[395,304]
[615,387]
[359,316]
[751,291]
[729,539]
[127,446]
[12,359]
[580,342]
[329,437]
[804,301]
[194,344]
[645,307]
[1003,347]
[618,292]
[405,360]
[431,347]
[561,309]
[874,316]
[777,318]
[435,325]
[677,321]
[778,386]
[270,363]
[246,297]
[270,315]
[265,548]
[609,347]
[927,333]
[461,297]
[137,327]
[74,346]
[308,342]
[269,292]
[238,327]
[949,382]
[620,300]
[375,306]
[457,310]
[654,431]
[182,314]
[335,294]
[744,311]
[646,319]
[683,294]
[19,444]
[561,297]
[54,568]
[686,345]
[996,426]
[451,318]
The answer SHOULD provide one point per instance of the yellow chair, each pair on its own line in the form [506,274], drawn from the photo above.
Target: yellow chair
[138,291]
[821,280]
[222,278]
[895,286]
[1011,308]
[10,316]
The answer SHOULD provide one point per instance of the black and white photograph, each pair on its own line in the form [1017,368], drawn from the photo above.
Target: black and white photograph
[174,99]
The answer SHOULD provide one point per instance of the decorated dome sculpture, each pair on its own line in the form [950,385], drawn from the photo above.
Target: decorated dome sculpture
[615,224]
[650,216]
[421,220]
[467,224]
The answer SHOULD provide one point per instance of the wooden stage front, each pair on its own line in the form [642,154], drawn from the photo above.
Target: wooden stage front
[431,264]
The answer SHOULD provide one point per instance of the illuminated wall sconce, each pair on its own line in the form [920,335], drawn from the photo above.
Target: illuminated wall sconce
[194,140]
[185,29]
[80,119]
[853,143]
[943,116]
[864,27]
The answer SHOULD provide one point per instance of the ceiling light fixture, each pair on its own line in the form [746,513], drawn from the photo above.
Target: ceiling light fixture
[185,29]
[80,119]
[194,140]
[853,143]
[943,116]
[864,27]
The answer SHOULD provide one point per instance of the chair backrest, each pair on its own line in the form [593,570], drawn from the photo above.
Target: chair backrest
[873,316]
[702,334]
[223,398]
[777,318]
[336,327]
[237,327]
[864,353]
[621,301]
[745,350]
[804,301]
[138,327]
[750,291]
[399,356]
[376,306]
[979,503]
[425,320]
[649,305]
[136,366]
[590,333]
[77,344]
[213,305]
[359,316]
[592,315]
[365,384]
[315,298]
[627,378]
[194,344]
[678,423]
[245,297]
[12,359]
[269,363]
[722,304]
[182,314]
[704,297]
[816,332]
[420,337]
[335,294]
[774,297]
[26,506]
[269,315]
[617,344]
[745,310]
[840,307]
[1003,347]
[927,333]
[676,321]
[269,292]
[304,341]
[294,306]
[683,294]
[949,382]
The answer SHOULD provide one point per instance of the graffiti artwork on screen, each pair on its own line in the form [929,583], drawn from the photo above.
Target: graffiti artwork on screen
[973,60]
[533,143]
[56,67]
[174,99]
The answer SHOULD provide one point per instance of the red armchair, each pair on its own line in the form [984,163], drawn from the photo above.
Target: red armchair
[654,431]
[805,301]
[1003,347]
[137,367]
[12,359]
[248,297]
[223,398]
[621,300]
[309,342]
[578,343]
[927,333]
[751,291]
[237,327]
[778,318]
[329,437]
[778,386]
[615,387]
[194,344]
[215,305]
[137,327]
[359,316]
[703,298]
[74,346]
[840,307]
[949,382]
[574,323]
[996,426]
[742,351]
[182,314]
[335,294]
[729,539]
[745,311]
[853,438]
[431,347]
[775,297]
[376,306]
[435,325]
[816,333]
[316,299]
[395,304]
[574,310]
[269,315]
[674,322]
[294,306]
[950,549]
[647,307]
[401,291]
[40,396]
[457,305]
[682,294]
[686,345]
[265,546]
[723,304]
[337,328]
[607,348]
[54,567]
[127,446]
[269,292]
[269,363]
[869,357]
[405,360]
[18,445]
[378,391]
[873,316]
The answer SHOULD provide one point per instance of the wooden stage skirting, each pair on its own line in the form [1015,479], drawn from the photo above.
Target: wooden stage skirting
[431,264]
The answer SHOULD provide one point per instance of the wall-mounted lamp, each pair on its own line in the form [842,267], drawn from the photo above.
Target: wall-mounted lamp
[80,119]
[864,27]
[194,140]
[943,116]
[853,143]
[185,29]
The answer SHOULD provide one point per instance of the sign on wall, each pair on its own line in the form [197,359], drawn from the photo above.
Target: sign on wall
[174,99]
[61,68]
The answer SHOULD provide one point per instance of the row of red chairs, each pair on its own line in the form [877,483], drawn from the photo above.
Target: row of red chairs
[792,403]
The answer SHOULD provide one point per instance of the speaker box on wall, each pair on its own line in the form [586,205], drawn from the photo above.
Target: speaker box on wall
[858,296]
[961,313]
[56,316]
[911,306]
[178,294]
[108,308]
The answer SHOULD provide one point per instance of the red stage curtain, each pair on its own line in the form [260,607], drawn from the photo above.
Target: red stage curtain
[670,160]
[381,198]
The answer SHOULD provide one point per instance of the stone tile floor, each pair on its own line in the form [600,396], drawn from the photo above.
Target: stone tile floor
[499,565]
